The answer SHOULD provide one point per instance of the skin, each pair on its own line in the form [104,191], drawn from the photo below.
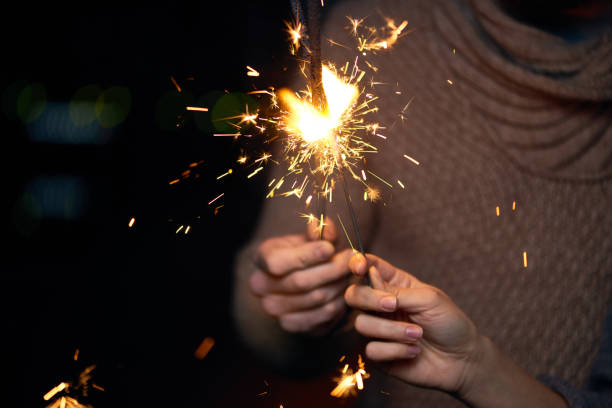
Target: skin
[300,279]
[423,338]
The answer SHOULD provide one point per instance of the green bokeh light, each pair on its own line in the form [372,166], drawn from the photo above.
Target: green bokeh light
[203,119]
[31,102]
[231,105]
[9,98]
[113,106]
[82,106]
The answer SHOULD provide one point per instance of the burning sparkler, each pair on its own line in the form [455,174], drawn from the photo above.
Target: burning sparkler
[324,131]
[349,380]
[64,395]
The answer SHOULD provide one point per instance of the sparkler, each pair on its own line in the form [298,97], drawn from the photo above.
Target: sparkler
[62,395]
[350,380]
[324,130]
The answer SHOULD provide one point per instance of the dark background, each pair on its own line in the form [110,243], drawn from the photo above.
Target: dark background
[135,301]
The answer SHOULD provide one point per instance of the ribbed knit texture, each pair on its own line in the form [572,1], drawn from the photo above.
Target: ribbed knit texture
[527,119]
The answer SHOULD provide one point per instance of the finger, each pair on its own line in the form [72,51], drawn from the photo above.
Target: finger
[385,269]
[415,300]
[279,261]
[300,322]
[382,351]
[277,305]
[380,328]
[375,279]
[389,273]
[358,264]
[366,298]
[330,231]
[304,280]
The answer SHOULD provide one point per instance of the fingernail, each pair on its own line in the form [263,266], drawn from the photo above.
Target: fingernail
[413,332]
[415,351]
[388,303]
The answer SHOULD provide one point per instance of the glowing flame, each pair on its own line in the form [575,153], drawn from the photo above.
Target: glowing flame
[307,121]
[345,385]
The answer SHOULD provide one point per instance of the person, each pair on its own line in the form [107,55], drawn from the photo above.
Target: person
[504,226]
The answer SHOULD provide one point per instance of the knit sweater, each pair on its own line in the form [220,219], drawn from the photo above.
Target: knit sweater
[502,115]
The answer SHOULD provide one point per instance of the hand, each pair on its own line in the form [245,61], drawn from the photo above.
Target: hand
[426,339]
[300,279]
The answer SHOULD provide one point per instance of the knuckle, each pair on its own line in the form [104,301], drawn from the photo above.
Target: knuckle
[434,295]
[330,310]
[292,324]
[286,324]
[271,306]
[350,294]
[302,259]
[272,264]
[318,295]
[256,283]
[300,281]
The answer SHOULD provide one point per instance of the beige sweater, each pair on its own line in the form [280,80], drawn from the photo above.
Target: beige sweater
[527,119]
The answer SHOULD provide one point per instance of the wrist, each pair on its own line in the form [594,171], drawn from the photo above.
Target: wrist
[476,368]
[493,379]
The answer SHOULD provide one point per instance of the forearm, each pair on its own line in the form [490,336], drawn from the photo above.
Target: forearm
[259,330]
[494,380]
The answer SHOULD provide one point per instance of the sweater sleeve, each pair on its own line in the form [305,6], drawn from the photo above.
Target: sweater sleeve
[598,391]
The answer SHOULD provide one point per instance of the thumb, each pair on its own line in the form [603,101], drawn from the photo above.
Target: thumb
[419,299]
[330,231]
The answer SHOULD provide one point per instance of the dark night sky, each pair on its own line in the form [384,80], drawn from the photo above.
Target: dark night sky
[135,301]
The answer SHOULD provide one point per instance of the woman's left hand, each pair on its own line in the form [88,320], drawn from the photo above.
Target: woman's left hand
[426,339]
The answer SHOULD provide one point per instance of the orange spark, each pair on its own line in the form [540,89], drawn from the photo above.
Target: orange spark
[58,388]
[411,159]
[178,88]
[215,199]
[204,348]
[225,174]
[97,387]
[252,72]
[257,170]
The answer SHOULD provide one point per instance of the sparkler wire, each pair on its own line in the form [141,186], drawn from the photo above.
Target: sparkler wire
[352,212]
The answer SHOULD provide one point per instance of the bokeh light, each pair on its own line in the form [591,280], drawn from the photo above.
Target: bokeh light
[9,98]
[231,106]
[83,105]
[61,197]
[203,120]
[57,125]
[113,106]
[31,102]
